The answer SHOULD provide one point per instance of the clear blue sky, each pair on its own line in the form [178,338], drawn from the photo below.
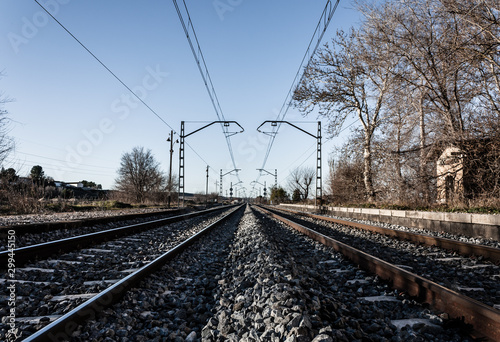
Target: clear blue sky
[75,120]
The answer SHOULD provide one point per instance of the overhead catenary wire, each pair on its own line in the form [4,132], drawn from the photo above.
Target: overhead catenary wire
[317,37]
[105,66]
[189,30]
[116,76]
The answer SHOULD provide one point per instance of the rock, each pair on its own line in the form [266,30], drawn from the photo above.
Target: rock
[238,306]
[191,337]
[322,338]
[121,333]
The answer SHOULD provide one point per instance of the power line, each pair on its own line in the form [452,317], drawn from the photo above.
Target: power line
[53,167]
[189,31]
[115,76]
[104,65]
[290,165]
[64,161]
[321,27]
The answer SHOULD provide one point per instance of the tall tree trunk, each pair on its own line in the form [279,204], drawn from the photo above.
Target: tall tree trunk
[422,174]
[367,173]
[397,162]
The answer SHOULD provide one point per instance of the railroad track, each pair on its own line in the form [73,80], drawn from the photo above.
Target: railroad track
[248,277]
[50,226]
[460,286]
[36,233]
[80,237]
[463,248]
[46,289]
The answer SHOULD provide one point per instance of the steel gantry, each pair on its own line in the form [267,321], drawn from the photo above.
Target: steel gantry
[264,185]
[222,175]
[275,176]
[275,123]
[183,136]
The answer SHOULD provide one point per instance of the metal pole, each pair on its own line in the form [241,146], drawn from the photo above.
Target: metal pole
[181,165]
[216,186]
[170,168]
[221,193]
[276,179]
[181,149]
[206,191]
[319,192]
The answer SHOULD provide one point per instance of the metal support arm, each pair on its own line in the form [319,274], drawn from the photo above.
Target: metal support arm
[319,191]
[183,136]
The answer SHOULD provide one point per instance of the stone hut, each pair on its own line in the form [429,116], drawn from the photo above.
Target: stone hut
[450,175]
[468,169]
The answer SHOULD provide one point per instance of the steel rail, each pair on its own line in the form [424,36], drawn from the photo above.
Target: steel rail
[464,248]
[71,224]
[43,250]
[484,319]
[62,328]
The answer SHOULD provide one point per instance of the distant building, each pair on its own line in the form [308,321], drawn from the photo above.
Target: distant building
[450,175]
[77,190]
[468,169]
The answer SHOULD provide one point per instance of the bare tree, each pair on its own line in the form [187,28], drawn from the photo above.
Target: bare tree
[351,78]
[301,179]
[394,148]
[6,142]
[429,44]
[479,25]
[448,54]
[484,15]
[139,174]
[345,180]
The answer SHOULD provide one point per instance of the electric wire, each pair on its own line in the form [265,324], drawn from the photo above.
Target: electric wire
[117,78]
[64,161]
[202,67]
[17,162]
[105,66]
[320,30]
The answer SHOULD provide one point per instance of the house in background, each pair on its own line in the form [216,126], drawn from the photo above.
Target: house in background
[450,175]
[468,169]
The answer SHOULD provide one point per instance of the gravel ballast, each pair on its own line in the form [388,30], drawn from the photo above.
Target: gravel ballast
[89,271]
[471,276]
[258,280]
[19,220]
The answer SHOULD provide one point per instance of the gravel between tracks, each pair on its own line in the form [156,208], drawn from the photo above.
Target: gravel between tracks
[462,238]
[260,281]
[473,277]
[29,239]
[14,220]
[105,262]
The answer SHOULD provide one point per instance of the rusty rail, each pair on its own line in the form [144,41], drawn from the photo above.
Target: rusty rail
[484,319]
[463,248]
[62,328]
[43,250]
[36,228]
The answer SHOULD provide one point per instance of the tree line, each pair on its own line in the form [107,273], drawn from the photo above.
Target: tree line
[419,76]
